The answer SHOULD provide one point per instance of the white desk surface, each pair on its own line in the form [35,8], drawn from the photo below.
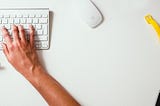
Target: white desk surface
[116,64]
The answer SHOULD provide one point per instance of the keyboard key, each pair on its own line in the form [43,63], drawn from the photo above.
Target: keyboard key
[25,15]
[43,20]
[1,16]
[25,26]
[16,21]
[31,15]
[44,15]
[12,15]
[29,20]
[38,26]
[1,38]
[8,26]
[45,29]
[19,15]
[44,44]
[6,16]
[38,15]
[35,21]
[4,21]
[11,21]
[43,38]
[23,20]
[39,32]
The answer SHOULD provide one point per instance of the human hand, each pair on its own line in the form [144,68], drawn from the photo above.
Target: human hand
[20,52]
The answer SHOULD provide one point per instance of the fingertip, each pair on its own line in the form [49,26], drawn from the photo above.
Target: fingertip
[20,27]
[14,27]
[31,27]
[4,31]
[31,35]
[3,28]
[3,45]
[6,36]
[22,33]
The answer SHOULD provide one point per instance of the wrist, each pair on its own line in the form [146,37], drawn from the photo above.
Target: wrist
[34,74]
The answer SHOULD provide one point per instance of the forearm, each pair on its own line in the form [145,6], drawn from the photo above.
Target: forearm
[50,89]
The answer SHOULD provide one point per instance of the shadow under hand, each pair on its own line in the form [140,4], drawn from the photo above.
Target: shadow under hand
[40,52]
[50,25]
[2,68]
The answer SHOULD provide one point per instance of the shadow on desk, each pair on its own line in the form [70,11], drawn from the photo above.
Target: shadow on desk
[40,52]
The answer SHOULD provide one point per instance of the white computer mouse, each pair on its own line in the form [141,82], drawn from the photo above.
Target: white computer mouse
[89,13]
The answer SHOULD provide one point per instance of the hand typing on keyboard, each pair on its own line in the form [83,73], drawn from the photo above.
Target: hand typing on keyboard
[21,53]
[19,48]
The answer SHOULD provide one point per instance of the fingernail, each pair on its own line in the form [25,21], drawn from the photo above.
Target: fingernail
[13,25]
[31,26]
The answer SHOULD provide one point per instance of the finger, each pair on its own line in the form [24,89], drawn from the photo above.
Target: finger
[31,37]
[6,36]
[5,49]
[15,33]
[21,33]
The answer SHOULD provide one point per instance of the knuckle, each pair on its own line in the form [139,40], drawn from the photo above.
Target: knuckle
[20,45]
[17,44]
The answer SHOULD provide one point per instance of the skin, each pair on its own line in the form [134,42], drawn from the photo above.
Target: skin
[21,53]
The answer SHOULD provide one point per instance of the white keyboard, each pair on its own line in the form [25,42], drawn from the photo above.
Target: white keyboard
[38,17]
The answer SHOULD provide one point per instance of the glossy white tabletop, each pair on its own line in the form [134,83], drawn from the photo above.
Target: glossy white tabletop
[116,64]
